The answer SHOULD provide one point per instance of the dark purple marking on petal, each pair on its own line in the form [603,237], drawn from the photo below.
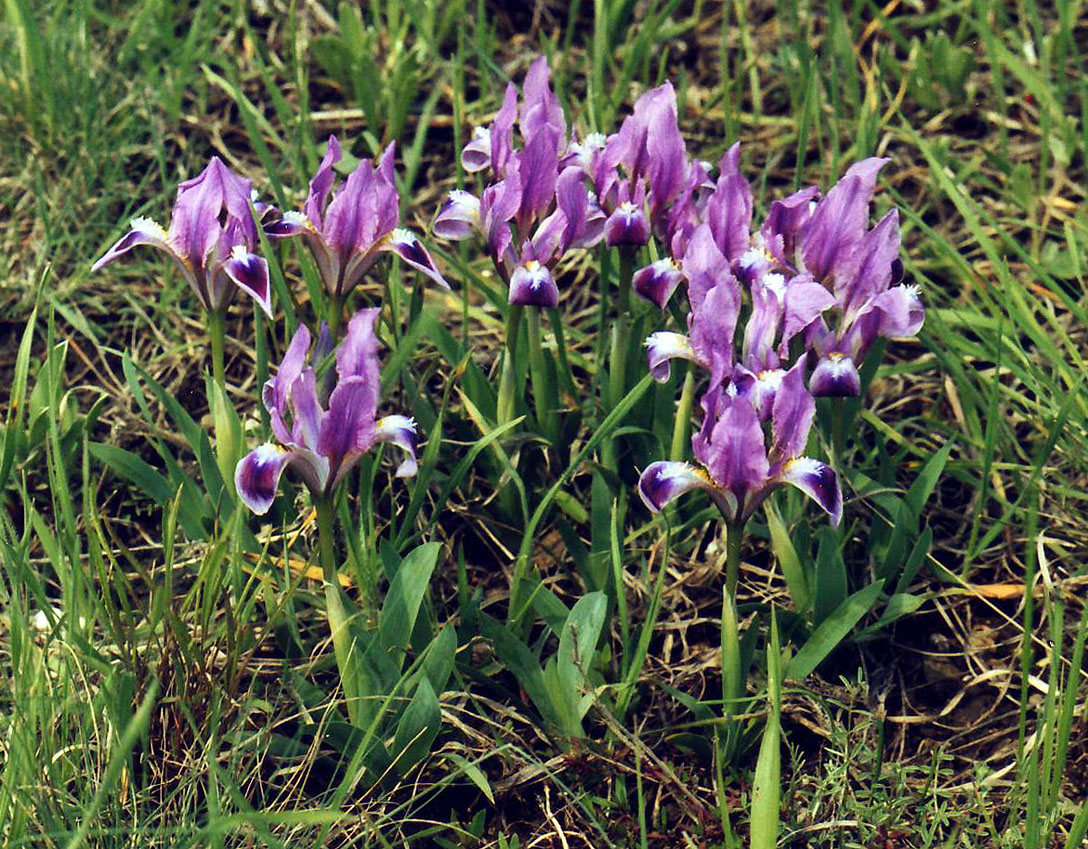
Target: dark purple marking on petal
[532,285]
[627,226]
[250,273]
[663,481]
[818,481]
[400,431]
[408,247]
[656,282]
[257,476]
[835,376]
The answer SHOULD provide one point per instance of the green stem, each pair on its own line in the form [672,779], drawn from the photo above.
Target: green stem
[681,429]
[334,315]
[507,384]
[541,385]
[621,341]
[217,330]
[326,539]
[733,539]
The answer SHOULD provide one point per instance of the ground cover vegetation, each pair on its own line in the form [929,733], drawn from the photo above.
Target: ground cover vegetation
[385,549]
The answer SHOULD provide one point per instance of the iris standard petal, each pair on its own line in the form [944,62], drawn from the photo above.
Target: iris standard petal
[400,431]
[322,184]
[805,301]
[277,390]
[792,414]
[348,428]
[306,410]
[818,481]
[737,456]
[250,274]
[663,481]
[357,355]
[831,236]
[257,476]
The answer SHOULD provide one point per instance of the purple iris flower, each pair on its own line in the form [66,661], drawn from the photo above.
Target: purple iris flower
[738,470]
[348,234]
[537,206]
[781,309]
[212,239]
[322,443]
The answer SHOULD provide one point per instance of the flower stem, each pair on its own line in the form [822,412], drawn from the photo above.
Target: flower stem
[335,315]
[733,539]
[542,389]
[617,357]
[507,384]
[682,426]
[217,330]
[326,539]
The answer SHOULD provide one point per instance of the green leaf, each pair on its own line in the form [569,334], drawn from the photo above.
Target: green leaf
[133,469]
[832,631]
[767,781]
[406,591]
[474,774]
[830,581]
[523,665]
[417,728]
[786,554]
[577,646]
[438,662]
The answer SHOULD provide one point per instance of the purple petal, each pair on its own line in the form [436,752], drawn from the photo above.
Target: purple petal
[502,132]
[785,220]
[791,419]
[664,346]
[839,222]
[572,199]
[657,281]
[757,349]
[664,481]
[277,390]
[835,376]
[901,312]
[760,389]
[306,410]
[704,266]
[714,324]
[348,429]
[806,301]
[144,232]
[195,225]
[288,225]
[357,355]
[818,481]
[322,184]
[628,225]
[459,216]
[250,273]
[351,220]
[538,168]
[540,107]
[736,455]
[668,158]
[408,247]
[532,285]
[876,259]
[729,210]
[257,476]
[400,431]
[476,155]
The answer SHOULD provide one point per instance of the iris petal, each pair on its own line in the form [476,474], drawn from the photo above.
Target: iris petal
[663,481]
[257,476]
[250,273]
[400,431]
[818,481]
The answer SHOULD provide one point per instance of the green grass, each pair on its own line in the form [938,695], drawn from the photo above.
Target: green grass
[167,673]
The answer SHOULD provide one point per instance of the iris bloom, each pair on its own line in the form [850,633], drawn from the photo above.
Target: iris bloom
[322,444]
[212,239]
[781,309]
[348,234]
[537,194]
[738,470]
